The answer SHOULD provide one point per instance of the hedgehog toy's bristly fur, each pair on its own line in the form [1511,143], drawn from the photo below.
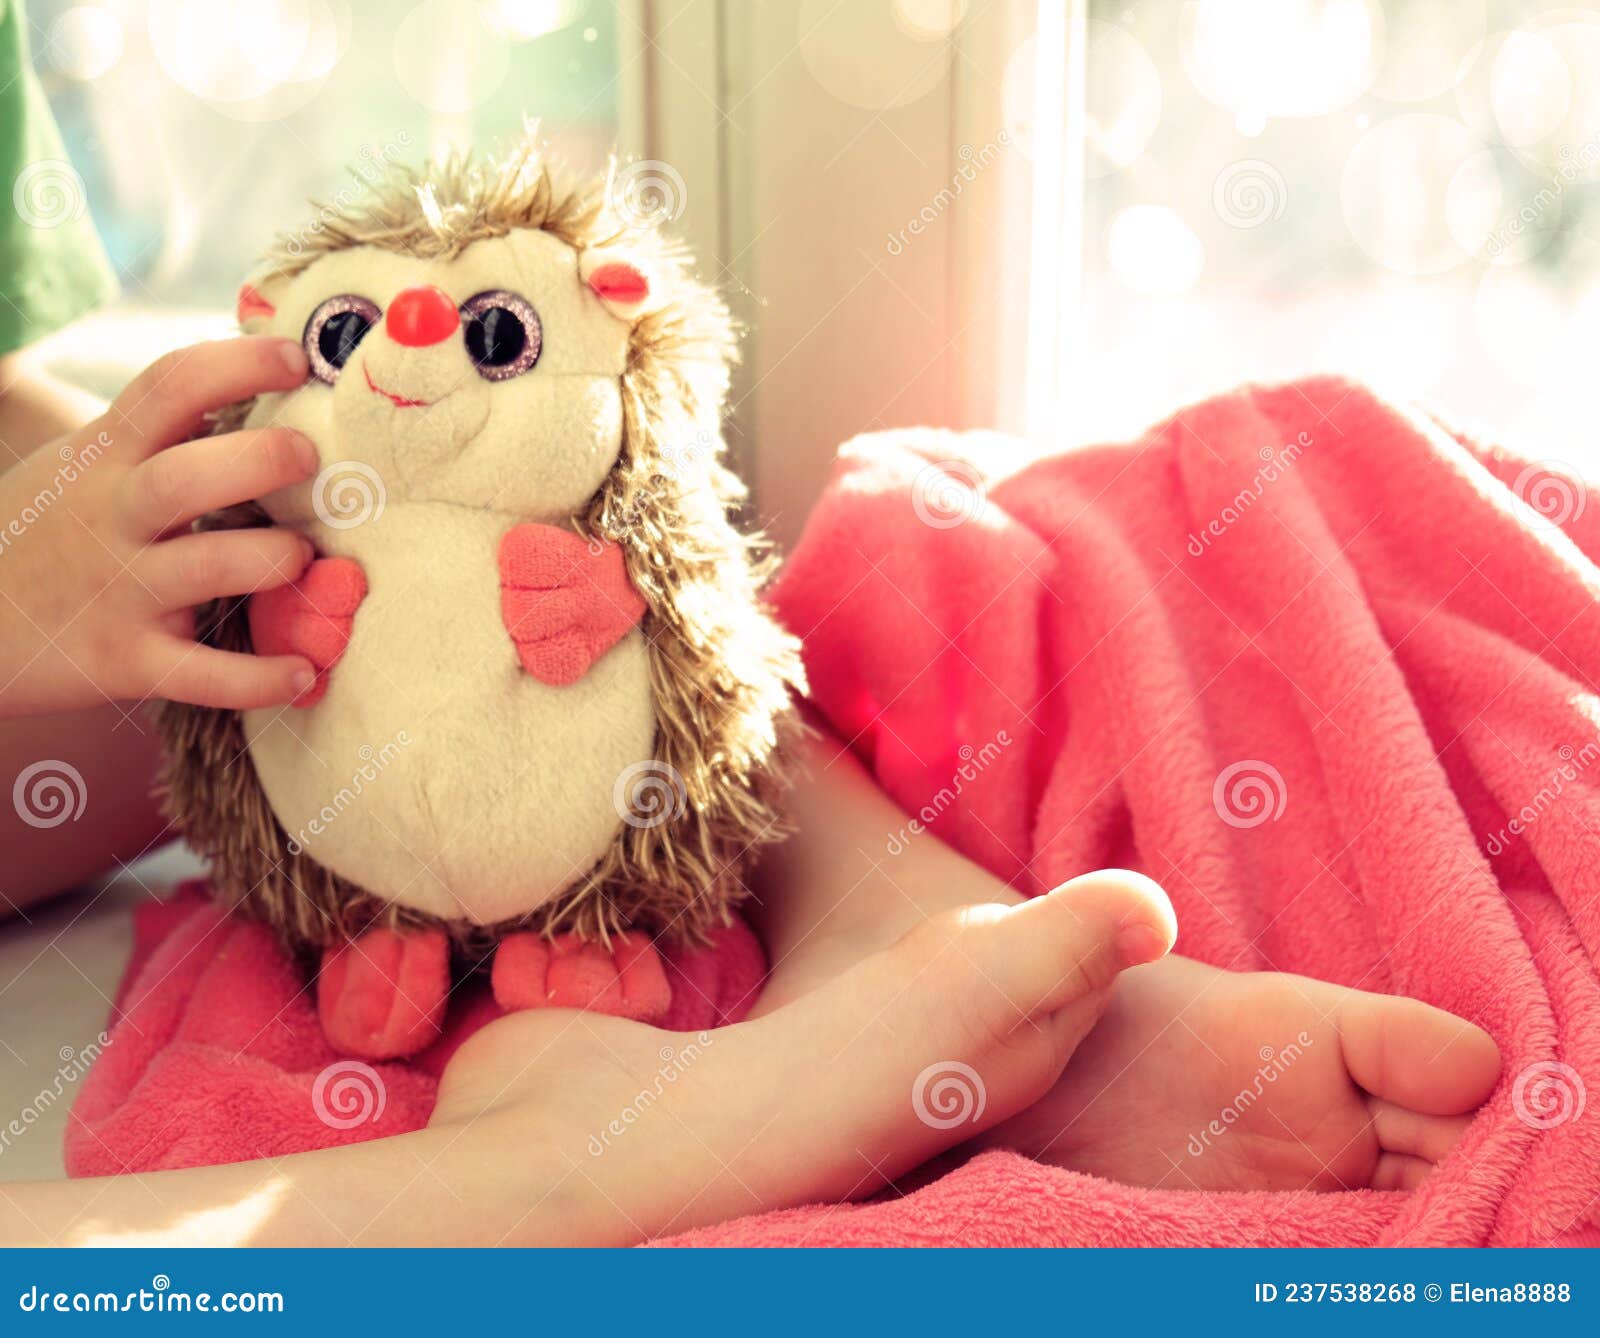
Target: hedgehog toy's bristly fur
[721,669]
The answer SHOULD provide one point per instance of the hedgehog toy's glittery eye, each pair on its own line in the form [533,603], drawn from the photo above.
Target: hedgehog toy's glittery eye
[334,330]
[502,332]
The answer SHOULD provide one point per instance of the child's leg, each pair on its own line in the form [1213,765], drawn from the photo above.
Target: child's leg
[108,756]
[36,407]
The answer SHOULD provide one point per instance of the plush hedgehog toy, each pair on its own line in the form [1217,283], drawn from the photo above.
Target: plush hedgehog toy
[549,704]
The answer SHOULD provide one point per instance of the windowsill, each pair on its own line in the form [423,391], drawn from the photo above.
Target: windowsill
[103,351]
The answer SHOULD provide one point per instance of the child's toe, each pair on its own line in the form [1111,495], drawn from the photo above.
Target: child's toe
[1416,1056]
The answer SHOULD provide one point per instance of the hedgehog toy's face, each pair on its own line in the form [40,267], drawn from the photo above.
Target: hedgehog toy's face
[490,380]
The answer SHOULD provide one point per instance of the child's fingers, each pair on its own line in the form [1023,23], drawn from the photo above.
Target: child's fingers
[204,676]
[168,401]
[196,567]
[188,480]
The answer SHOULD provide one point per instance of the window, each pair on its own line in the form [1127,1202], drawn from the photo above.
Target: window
[1403,190]
[1059,217]
[201,127]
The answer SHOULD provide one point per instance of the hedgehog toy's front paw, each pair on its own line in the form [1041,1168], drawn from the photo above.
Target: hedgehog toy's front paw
[382,995]
[565,600]
[625,980]
[310,617]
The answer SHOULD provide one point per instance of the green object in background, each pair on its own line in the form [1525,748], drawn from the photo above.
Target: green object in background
[52,265]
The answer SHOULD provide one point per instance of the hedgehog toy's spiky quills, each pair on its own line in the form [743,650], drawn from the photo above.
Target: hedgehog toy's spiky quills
[549,700]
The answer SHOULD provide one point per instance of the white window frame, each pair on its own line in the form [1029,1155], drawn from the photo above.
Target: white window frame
[717,89]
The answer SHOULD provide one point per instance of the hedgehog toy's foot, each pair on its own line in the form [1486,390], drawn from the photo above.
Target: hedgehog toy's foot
[311,616]
[626,980]
[382,995]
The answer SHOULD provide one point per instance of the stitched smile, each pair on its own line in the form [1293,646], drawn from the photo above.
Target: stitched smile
[400,400]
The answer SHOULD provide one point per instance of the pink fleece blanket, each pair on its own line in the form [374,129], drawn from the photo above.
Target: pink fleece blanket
[1324,669]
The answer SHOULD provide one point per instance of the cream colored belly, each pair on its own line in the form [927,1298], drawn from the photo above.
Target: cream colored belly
[436,772]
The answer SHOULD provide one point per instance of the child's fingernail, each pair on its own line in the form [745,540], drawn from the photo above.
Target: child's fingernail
[294,357]
[303,681]
[305,451]
[1139,941]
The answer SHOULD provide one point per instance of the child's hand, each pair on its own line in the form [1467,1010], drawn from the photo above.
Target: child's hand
[99,574]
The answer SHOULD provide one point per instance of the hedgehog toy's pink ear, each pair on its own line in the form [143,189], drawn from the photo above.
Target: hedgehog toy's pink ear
[623,284]
[255,305]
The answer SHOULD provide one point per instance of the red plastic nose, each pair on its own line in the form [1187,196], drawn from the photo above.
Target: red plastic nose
[420,316]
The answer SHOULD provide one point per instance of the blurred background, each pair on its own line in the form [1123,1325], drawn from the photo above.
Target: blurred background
[1061,218]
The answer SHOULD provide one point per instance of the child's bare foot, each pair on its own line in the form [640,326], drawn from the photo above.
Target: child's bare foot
[1374,1096]
[961,1024]
[1204,1079]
